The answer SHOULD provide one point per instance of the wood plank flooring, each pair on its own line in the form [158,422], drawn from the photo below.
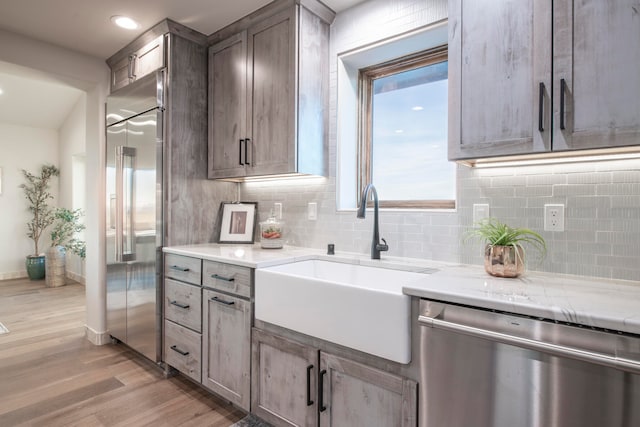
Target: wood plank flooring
[50,375]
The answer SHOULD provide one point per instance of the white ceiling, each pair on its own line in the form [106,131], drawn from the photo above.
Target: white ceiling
[32,99]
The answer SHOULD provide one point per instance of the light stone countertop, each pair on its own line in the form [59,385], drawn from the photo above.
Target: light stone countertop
[590,301]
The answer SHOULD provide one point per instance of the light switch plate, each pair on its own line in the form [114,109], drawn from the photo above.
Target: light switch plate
[480,212]
[312,211]
[277,207]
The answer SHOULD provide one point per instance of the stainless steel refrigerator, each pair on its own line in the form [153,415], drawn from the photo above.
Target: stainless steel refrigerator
[134,214]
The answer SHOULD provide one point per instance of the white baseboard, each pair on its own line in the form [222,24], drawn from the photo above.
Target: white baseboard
[77,277]
[14,275]
[97,338]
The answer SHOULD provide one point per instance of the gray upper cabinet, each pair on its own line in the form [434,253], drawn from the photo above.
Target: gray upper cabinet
[268,92]
[137,63]
[596,49]
[499,62]
[227,106]
[504,98]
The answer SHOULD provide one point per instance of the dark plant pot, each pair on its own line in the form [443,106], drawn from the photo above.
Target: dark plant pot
[35,267]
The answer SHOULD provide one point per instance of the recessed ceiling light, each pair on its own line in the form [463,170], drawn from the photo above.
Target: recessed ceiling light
[124,22]
[417,108]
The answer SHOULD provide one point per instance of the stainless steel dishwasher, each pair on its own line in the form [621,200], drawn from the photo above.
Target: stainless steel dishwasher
[482,368]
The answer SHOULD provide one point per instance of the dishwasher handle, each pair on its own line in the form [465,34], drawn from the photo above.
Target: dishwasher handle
[543,347]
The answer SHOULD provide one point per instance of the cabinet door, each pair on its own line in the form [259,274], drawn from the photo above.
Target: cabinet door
[121,73]
[499,77]
[227,346]
[149,58]
[227,107]
[597,54]
[271,99]
[283,381]
[358,395]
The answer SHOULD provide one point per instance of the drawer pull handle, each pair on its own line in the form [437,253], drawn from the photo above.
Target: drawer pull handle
[563,89]
[226,279]
[177,304]
[178,268]
[309,369]
[177,350]
[541,108]
[221,301]
[321,408]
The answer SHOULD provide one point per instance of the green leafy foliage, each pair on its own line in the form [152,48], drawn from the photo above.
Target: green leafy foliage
[496,233]
[36,191]
[66,225]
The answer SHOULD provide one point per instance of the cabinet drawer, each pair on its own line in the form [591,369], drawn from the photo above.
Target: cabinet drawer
[227,277]
[183,304]
[183,268]
[183,349]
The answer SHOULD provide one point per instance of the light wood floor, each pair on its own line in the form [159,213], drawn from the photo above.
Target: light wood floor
[50,375]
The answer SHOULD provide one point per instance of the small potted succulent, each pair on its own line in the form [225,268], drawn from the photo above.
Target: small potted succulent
[504,252]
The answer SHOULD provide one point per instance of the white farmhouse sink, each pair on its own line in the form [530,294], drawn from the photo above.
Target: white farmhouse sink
[357,306]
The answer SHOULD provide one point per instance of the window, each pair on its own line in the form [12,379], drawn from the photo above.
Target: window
[403,132]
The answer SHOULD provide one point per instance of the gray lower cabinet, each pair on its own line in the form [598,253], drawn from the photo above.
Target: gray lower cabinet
[298,385]
[183,349]
[226,346]
[284,381]
[358,395]
[182,306]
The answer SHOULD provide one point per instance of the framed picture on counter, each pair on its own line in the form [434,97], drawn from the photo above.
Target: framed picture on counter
[238,222]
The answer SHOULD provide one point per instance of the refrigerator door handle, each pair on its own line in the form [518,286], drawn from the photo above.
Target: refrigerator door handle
[125,234]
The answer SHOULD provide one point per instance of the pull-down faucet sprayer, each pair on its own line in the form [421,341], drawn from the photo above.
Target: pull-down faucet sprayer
[376,246]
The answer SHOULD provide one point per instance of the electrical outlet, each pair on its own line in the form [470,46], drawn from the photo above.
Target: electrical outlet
[554,217]
[312,211]
[480,212]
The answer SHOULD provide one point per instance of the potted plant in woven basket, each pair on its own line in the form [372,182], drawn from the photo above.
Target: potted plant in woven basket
[36,191]
[63,237]
[504,252]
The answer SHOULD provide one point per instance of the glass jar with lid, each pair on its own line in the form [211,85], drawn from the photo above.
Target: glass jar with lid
[271,233]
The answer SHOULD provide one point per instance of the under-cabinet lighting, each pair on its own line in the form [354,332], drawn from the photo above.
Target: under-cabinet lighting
[281,177]
[626,153]
[124,22]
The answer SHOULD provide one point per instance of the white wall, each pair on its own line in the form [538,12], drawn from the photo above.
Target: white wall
[72,137]
[91,75]
[21,147]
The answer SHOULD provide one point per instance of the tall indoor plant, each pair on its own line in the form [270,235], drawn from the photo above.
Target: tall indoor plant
[36,191]
[504,252]
[63,237]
